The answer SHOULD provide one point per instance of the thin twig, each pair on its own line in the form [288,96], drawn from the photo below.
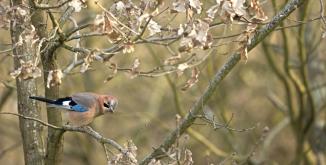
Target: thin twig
[78,29]
[74,60]
[106,153]
[322,13]
[92,34]
[7,50]
[33,119]
[217,125]
[144,29]
[299,24]
[46,6]
[116,19]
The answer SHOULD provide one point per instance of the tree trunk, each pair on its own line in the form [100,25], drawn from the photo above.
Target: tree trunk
[31,131]
[55,137]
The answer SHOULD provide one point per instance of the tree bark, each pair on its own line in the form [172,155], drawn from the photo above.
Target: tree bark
[55,137]
[31,131]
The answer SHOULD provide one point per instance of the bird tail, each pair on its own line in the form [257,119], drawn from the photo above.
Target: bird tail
[42,99]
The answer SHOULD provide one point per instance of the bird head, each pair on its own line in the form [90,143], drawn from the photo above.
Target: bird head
[109,103]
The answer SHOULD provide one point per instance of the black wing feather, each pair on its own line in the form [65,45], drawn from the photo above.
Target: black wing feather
[42,99]
[55,102]
[61,100]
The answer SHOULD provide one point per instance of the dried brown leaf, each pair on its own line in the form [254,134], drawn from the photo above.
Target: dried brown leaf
[323,35]
[202,30]
[243,44]
[127,158]
[22,12]
[27,70]
[228,10]
[109,78]
[257,9]
[244,40]
[110,28]
[172,60]
[154,162]
[108,24]
[120,6]
[180,30]
[188,158]
[182,67]
[195,5]
[179,6]
[193,79]
[135,64]
[209,42]
[54,78]
[186,44]
[212,11]
[128,47]
[77,5]
[153,27]
[134,68]
[197,37]
[103,24]
[88,60]
[98,23]
[114,67]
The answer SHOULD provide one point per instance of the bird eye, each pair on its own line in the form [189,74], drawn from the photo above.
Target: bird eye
[110,105]
[106,105]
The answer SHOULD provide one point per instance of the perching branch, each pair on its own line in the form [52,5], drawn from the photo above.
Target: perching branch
[87,130]
[220,75]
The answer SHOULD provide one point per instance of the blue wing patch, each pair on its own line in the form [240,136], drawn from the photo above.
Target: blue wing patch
[79,108]
[69,104]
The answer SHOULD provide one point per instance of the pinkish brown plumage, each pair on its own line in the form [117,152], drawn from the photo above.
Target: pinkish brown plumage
[83,107]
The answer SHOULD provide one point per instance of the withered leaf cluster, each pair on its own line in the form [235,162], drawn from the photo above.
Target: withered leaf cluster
[127,24]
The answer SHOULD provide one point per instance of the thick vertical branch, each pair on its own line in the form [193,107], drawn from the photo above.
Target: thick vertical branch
[55,137]
[307,114]
[216,80]
[31,131]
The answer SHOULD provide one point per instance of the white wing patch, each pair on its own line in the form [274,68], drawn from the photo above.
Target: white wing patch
[66,103]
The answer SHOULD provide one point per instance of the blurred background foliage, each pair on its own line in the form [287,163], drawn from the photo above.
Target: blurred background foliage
[252,96]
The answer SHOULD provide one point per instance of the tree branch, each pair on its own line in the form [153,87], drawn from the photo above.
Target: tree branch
[220,75]
[87,130]
[46,6]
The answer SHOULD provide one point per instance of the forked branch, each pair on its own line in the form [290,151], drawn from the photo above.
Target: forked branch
[220,75]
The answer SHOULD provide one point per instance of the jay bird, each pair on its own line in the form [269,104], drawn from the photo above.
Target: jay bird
[83,107]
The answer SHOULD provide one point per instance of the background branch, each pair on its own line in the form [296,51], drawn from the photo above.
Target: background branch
[220,75]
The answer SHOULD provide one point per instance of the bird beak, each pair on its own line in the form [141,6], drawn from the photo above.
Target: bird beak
[113,105]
